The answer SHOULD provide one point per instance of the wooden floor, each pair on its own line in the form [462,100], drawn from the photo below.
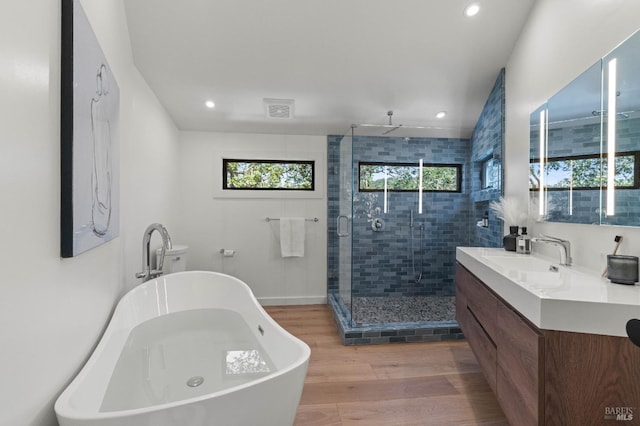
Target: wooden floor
[394,384]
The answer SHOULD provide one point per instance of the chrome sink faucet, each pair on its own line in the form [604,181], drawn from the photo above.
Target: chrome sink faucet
[148,273]
[563,245]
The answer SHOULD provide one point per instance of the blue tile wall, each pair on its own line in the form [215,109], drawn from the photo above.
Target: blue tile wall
[333,199]
[486,142]
[383,262]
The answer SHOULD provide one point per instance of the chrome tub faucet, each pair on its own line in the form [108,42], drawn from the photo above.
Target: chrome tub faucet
[148,273]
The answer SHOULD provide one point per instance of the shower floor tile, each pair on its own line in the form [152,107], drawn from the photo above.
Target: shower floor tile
[378,310]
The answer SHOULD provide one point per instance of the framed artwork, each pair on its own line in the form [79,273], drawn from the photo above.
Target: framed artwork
[89,131]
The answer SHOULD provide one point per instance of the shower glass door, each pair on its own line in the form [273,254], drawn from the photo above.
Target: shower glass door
[344,221]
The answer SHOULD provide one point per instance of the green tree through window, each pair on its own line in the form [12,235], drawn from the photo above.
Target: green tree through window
[584,172]
[268,174]
[405,177]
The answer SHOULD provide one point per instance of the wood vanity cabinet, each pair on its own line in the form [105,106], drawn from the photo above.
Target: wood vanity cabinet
[507,347]
[544,377]
[476,309]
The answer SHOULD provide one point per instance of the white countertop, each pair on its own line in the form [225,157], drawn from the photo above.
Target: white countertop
[567,300]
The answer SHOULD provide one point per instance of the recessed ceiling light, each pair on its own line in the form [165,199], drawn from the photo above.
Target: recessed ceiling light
[210,104]
[441,114]
[472,10]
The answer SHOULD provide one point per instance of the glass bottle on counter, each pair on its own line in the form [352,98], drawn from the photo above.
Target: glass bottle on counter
[523,242]
[509,241]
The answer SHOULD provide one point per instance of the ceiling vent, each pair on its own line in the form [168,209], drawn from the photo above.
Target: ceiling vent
[279,108]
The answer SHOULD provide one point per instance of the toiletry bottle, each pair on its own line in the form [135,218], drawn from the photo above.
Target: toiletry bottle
[485,220]
[523,242]
[509,241]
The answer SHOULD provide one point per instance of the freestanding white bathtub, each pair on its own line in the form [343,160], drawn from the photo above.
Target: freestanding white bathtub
[190,348]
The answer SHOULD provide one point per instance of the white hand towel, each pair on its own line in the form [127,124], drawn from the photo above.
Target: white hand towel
[292,236]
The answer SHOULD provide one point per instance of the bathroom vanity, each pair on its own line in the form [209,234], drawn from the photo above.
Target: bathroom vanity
[552,343]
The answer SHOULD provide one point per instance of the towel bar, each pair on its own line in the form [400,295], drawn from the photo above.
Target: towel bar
[269,219]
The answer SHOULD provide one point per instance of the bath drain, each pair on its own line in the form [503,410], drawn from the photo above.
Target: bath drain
[195,381]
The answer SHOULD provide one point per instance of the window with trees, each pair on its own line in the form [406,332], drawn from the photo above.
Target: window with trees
[285,175]
[400,177]
[585,172]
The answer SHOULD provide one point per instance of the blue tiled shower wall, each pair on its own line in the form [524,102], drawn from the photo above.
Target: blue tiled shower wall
[385,263]
[487,142]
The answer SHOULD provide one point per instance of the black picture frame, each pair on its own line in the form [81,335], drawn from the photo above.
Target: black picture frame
[89,133]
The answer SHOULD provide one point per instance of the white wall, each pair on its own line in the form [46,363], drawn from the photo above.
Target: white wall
[53,310]
[207,224]
[560,41]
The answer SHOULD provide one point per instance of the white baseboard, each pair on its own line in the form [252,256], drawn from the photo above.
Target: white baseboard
[294,300]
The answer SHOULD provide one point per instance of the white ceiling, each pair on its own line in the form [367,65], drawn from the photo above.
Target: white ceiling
[342,61]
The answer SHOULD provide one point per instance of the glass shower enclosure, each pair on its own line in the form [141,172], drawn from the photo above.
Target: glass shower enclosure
[399,207]
[344,225]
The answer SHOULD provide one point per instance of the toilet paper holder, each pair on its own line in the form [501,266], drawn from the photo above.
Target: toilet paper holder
[227,252]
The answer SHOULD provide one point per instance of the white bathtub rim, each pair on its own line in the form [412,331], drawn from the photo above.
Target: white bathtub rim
[64,408]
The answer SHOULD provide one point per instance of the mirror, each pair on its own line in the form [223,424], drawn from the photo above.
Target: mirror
[568,152]
[621,71]
[572,135]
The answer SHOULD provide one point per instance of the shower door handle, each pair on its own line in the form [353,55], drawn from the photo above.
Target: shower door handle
[338,221]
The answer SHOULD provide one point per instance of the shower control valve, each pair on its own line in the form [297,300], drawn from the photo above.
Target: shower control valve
[377,224]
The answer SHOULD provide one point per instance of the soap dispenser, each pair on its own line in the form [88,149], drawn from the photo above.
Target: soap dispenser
[509,241]
[523,242]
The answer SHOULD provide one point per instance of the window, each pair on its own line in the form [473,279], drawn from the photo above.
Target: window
[404,177]
[585,172]
[289,175]
[490,174]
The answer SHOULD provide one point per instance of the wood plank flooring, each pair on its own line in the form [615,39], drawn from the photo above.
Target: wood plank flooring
[403,384]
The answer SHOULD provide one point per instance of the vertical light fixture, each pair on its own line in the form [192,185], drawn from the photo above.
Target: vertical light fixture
[570,187]
[420,167]
[385,207]
[611,137]
[541,201]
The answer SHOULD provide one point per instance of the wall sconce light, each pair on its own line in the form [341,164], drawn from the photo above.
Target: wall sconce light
[543,129]
[570,187]
[385,207]
[611,138]
[420,166]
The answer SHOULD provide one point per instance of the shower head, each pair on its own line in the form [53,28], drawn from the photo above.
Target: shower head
[597,113]
[390,125]
[401,130]
[393,128]
[388,128]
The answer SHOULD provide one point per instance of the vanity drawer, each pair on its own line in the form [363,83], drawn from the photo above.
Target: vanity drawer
[479,299]
[482,346]
[475,307]
[520,375]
